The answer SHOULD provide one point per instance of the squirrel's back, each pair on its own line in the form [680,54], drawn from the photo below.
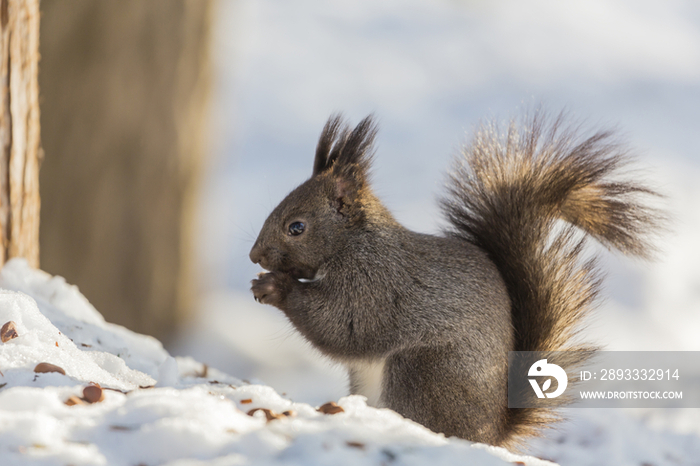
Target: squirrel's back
[510,192]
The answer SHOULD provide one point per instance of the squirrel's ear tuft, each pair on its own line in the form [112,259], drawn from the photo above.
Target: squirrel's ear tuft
[347,152]
[329,136]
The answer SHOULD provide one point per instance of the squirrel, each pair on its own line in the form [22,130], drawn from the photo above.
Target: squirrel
[423,323]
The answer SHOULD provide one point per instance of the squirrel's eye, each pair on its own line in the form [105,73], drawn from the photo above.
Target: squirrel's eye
[296,228]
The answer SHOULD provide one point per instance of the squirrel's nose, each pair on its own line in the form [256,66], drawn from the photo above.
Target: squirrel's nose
[256,254]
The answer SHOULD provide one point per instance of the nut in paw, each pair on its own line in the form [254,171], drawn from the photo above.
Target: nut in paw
[270,288]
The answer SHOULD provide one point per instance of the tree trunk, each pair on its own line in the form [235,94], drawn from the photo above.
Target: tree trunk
[124,99]
[19,131]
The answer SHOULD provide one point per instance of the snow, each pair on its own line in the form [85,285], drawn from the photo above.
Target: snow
[594,437]
[160,410]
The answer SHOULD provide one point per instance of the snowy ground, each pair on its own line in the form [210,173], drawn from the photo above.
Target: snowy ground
[158,410]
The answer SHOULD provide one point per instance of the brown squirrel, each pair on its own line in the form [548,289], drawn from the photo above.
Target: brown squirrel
[423,323]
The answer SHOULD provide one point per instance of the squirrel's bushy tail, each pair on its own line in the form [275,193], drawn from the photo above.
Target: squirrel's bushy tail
[509,193]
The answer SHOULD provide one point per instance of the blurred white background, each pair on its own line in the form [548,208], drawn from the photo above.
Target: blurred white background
[430,70]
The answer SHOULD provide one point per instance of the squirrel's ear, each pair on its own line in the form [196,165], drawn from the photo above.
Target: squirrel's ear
[346,152]
[346,156]
[346,195]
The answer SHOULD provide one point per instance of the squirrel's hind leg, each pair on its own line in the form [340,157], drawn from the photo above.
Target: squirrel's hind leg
[436,388]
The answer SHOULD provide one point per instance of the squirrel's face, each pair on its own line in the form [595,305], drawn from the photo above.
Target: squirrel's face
[316,220]
[301,234]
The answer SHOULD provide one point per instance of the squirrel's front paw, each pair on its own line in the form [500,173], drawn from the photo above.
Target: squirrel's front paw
[271,288]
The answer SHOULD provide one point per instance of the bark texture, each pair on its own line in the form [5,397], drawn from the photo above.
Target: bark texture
[21,153]
[124,87]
